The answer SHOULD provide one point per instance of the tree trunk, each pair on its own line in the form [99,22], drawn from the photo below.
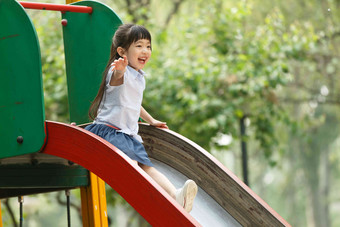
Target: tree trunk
[317,175]
[324,188]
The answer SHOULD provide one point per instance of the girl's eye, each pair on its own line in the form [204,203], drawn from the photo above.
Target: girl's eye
[149,47]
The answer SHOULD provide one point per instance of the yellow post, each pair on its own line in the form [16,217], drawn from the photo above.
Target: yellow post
[0,215]
[93,203]
[70,1]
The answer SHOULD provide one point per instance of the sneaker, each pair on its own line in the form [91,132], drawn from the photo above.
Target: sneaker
[185,196]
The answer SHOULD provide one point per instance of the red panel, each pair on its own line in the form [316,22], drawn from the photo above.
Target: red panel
[117,170]
[56,7]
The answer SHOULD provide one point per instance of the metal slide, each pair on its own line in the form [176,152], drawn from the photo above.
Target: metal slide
[222,199]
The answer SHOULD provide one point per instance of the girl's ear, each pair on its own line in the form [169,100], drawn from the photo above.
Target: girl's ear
[120,51]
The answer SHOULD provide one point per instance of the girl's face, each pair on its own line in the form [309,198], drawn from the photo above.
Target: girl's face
[139,54]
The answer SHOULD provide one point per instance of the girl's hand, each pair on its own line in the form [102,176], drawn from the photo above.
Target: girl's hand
[159,124]
[120,64]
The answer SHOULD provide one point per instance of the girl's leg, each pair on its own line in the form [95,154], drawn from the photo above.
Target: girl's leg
[162,180]
[184,196]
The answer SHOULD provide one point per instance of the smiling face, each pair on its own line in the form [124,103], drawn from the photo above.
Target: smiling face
[139,54]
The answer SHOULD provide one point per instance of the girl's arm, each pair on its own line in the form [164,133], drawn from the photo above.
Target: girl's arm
[119,69]
[148,118]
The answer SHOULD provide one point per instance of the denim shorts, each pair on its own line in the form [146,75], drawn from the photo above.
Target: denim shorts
[127,144]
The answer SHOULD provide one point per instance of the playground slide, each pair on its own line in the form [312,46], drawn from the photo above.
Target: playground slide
[223,200]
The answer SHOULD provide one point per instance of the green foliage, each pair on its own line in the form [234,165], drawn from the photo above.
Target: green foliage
[49,32]
[225,68]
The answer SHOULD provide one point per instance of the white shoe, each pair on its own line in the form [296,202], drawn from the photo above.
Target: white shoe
[185,196]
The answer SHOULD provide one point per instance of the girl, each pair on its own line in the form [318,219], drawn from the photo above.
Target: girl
[118,106]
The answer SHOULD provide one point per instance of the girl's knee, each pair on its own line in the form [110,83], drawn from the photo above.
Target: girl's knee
[147,168]
[152,171]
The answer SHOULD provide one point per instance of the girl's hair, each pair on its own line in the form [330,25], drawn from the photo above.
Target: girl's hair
[125,35]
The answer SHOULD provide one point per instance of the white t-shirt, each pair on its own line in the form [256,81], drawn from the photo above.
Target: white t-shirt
[121,104]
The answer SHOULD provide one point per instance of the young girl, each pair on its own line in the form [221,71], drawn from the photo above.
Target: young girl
[118,106]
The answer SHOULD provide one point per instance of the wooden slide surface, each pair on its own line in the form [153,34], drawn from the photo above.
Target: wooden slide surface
[188,158]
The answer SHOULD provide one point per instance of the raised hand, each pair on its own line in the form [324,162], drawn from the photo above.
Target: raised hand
[119,67]
[120,64]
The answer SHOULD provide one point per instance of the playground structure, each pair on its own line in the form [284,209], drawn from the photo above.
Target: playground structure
[40,156]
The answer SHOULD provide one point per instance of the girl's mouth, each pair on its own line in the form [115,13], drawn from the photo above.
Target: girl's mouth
[142,60]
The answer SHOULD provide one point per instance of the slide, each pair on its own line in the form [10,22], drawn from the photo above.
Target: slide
[222,199]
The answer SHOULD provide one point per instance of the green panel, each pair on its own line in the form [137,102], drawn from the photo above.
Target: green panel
[87,41]
[21,94]
[42,176]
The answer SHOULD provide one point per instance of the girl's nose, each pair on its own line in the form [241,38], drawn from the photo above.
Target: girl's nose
[145,50]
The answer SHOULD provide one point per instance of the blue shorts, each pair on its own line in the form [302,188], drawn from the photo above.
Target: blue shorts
[129,145]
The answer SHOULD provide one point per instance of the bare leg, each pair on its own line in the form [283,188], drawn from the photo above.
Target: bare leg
[184,196]
[162,180]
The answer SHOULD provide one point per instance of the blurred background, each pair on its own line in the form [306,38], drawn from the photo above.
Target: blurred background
[271,67]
